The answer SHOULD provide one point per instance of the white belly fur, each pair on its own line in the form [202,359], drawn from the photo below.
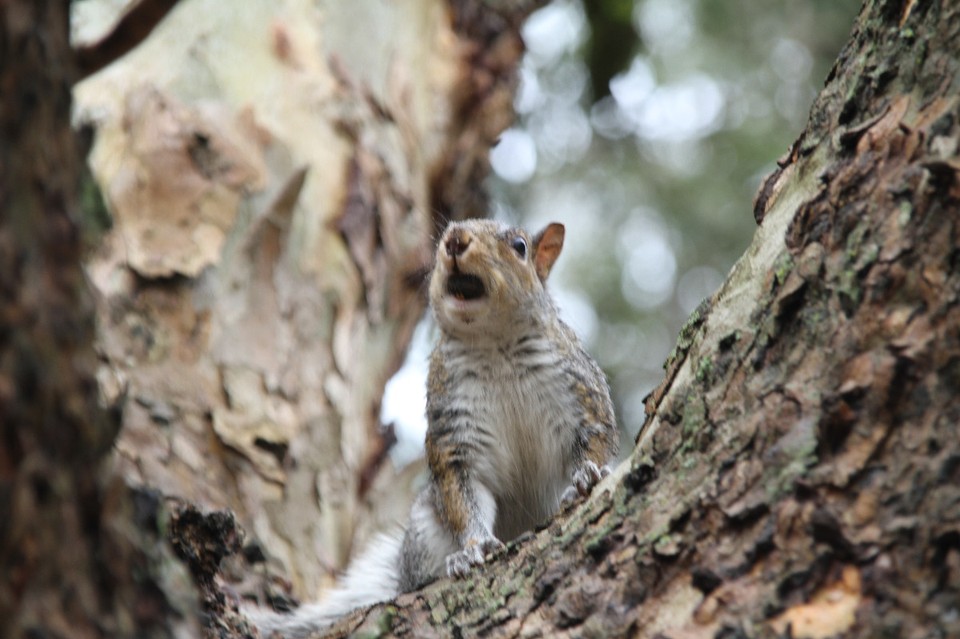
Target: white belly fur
[529,464]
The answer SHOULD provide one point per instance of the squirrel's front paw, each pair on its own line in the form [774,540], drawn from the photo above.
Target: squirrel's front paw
[473,553]
[588,476]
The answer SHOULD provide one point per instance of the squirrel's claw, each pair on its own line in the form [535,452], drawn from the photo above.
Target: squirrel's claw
[588,476]
[459,563]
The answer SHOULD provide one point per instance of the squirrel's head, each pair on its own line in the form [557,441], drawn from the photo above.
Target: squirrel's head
[488,276]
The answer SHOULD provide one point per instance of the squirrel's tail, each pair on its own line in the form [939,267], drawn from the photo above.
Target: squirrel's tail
[371,578]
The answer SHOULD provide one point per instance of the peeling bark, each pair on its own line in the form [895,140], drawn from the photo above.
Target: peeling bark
[256,284]
[274,180]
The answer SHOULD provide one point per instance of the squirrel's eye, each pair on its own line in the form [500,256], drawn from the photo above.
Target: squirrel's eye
[519,245]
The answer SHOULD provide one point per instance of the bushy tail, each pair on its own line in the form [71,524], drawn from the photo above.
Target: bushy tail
[371,578]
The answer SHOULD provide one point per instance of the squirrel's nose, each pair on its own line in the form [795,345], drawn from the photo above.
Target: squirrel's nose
[456,245]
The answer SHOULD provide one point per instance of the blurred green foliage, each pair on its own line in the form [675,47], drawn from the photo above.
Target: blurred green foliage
[646,126]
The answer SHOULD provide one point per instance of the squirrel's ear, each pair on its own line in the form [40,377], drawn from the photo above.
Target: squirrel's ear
[546,249]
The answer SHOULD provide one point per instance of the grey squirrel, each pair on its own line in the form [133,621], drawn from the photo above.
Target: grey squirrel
[520,420]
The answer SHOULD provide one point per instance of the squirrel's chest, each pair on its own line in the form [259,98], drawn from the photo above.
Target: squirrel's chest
[525,402]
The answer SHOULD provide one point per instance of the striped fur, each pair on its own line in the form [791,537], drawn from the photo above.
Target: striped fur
[519,416]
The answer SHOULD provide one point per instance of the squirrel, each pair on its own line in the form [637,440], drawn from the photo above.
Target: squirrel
[520,420]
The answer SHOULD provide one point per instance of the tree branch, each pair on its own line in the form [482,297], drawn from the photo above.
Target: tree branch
[133,27]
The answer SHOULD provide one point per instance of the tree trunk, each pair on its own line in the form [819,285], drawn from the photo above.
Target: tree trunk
[799,471]
[275,176]
[79,554]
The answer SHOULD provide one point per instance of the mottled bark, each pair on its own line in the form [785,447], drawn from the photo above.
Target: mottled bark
[80,555]
[274,176]
[799,471]
[269,211]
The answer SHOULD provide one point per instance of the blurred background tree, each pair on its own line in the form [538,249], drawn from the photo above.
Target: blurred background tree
[645,127]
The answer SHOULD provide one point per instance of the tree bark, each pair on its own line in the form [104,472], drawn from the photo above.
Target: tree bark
[80,555]
[255,287]
[274,176]
[799,471]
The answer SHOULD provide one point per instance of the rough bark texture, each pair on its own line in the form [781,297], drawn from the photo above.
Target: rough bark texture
[80,555]
[799,472]
[274,177]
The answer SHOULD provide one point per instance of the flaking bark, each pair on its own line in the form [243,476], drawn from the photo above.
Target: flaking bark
[270,233]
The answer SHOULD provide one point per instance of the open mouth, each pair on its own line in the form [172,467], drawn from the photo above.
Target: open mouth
[465,287]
